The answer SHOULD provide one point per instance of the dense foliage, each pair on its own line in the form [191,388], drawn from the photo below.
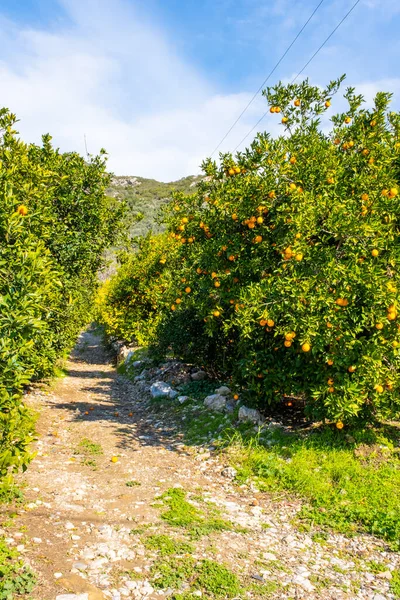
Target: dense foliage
[55,223]
[287,258]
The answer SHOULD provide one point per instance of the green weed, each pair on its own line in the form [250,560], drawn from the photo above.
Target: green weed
[167,546]
[212,579]
[16,579]
[395,583]
[182,513]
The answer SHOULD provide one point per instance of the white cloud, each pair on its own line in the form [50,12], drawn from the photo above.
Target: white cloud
[111,75]
[117,80]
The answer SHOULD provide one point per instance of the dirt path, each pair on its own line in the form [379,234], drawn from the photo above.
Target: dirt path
[86,532]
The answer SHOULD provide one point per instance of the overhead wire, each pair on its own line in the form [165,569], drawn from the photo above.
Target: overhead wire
[268,76]
[303,68]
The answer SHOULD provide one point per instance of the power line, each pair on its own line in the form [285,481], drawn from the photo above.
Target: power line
[267,78]
[305,66]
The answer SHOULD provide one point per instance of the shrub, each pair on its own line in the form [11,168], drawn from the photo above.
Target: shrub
[55,223]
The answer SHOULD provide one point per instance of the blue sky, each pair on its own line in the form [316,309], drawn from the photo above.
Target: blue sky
[158,83]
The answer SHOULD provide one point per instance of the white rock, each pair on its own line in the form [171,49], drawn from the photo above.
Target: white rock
[223,391]
[73,597]
[304,583]
[20,547]
[173,394]
[69,526]
[229,472]
[199,376]
[36,540]
[58,575]
[269,556]
[182,399]
[215,402]
[160,389]
[249,414]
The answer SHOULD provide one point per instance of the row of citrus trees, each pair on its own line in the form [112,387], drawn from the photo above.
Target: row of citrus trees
[55,223]
[282,269]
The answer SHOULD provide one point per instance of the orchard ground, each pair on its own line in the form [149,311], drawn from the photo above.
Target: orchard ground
[128,497]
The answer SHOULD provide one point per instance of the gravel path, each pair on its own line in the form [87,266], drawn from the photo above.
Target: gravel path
[82,528]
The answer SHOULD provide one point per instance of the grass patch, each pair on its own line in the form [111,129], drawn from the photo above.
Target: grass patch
[395,583]
[16,579]
[167,546]
[211,578]
[351,483]
[132,483]
[86,446]
[181,513]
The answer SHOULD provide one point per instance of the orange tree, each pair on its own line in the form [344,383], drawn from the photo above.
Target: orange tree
[290,252]
[55,223]
[131,304]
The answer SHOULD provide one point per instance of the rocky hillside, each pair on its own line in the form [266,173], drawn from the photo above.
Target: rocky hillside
[146,196]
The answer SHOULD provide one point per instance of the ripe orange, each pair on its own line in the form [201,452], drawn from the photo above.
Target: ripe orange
[336,142]
[272,194]
[237,170]
[236,396]
[277,109]
[258,239]
[293,186]
[327,104]
[173,307]
[392,315]
[330,381]
[231,258]
[185,220]
[292,160]
[379,326]
[351,369]
[393,192]
[216,313]
[188,290]
[329,325]
[365,152]
[347,120]
[378,388]
[217,283]
[263,322]
[22,210]
[364,197]
[231,172]
[375,252]
[270,323]
[234,216]
[395,344]
[297,102]
[287,343]
[114,459]
[178,300]
[299,256]
[330,180]
[331,390]
[285,120]
[260,220]
[86,412]
[339,425]
[306,347]
[329,362]
[373,123]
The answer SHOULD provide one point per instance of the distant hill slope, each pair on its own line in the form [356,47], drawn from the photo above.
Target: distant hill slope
[146,196]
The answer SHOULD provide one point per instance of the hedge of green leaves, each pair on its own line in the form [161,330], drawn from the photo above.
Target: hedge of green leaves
[55,222]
